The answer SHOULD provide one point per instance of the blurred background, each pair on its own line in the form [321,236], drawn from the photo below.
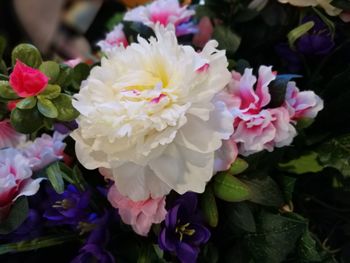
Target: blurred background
[59,28]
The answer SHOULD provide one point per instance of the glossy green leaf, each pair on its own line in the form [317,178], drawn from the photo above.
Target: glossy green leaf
[240,215]
[209,207]
[66,111]
[230,188]
[28,54]
[227,39]
[55,176]
[47,108]
[65,77]
[51,92]
[6,91]
[27,103]
[238,167]
[26,121]
[16,217]
[306,163]
[50,69]
[307,248]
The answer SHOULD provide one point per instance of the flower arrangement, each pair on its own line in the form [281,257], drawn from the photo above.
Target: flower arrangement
[204,133]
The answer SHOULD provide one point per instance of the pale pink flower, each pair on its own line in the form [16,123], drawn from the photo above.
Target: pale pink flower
[73,62]
[345,16]
[225,156]
[8,136]
[140,215]
[302,104]
[256,127]
[44,150]
[15,179]
[114,39]
[164,12]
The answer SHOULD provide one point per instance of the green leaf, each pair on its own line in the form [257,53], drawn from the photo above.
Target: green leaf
[209,254]
[27,103]
[298,32]
[114,20]
[336,153]
[227,39]
[238,167]
[341,4]
[28,54]
[65,77]
[66,111]
[287,185]
[306,163]
[307,248]
[51,92]
[26,121]
[264,191]
[80,73]
[230,189]
[240,215]
[50,69]
[275,238]
[34,244]
[7,92]
[47,108]
[16,217]
[209,207]
[55,176]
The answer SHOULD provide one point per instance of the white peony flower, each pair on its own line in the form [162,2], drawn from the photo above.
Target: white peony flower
[148,115]
[325,4]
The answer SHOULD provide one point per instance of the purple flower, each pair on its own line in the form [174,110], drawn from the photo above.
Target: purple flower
[65,127]
[184,232]
[70,207]
[94,248]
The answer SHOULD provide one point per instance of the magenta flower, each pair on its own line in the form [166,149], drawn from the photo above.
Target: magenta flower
[8,136]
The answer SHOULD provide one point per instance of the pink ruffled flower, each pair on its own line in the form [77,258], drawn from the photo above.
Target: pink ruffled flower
[114,39]
[302,104]
[140,215]
[256,128]
[8,136]
[27,81]
[44,150]
[15,179]
[226,155]
[164,12]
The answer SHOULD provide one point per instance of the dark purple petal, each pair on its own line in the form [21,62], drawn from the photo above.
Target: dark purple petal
[171,217]
[167,241]
[93,253]
[187,253]
[200,236]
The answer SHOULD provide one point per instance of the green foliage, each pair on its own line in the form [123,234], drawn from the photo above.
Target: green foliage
[26,121]
[28,54]
[51,92]
[50,69]
[6,91]
[241,215]
[209,207]
[55,176]
[307,163]
[230,188]
[238,166]
[227,39]
[47,108]
[27,103]
[66,111]
[16,217]
[298,32]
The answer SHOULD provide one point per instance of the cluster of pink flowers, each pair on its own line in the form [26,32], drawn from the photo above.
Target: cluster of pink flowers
[257,126]
[19,159]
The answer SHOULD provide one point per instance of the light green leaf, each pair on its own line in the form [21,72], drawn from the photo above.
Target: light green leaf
[50,69]
[6,91]
[27,103]
[306,163]
[66,111]
[55,176]
[28,54]
[227,39]
[238,166]
[47,108]
[51,92]
[298,32]
[209,207]
[230,189]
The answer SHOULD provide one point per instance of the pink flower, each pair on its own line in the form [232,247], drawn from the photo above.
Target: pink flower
[302,104]
[114,39]
[205,32]
[27,81]
[256,127]
[164,12]
[8,136]
[226,155]
[140,215]
[15,179]
[345,16]
[44,150]
[73,62]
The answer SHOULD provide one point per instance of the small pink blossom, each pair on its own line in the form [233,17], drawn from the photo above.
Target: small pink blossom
[345,16]
[15,179]
[8,136]
[205,32]
[27,81]
[114,39]
[44,150]
[302,104]
[225,156]
[164,12]
[73,62]
[140,215]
